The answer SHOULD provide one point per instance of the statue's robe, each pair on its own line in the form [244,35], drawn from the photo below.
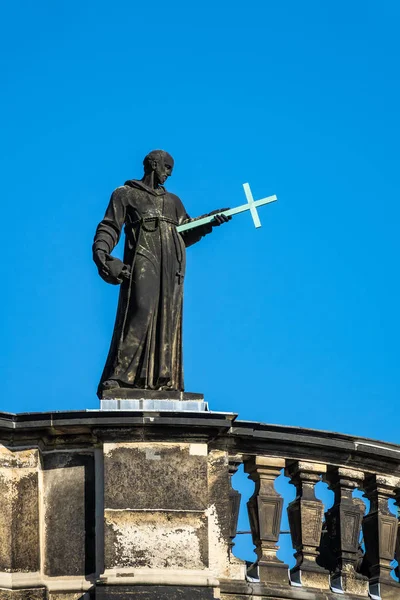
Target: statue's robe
[146,347]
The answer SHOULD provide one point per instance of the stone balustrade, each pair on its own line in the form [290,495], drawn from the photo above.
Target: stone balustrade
[119,505]
[330,558]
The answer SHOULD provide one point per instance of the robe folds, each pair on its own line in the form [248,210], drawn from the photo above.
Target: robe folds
[146,347]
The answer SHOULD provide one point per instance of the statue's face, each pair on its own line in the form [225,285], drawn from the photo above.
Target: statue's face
[163,168]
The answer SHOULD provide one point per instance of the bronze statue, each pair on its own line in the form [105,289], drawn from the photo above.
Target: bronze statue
[146,347]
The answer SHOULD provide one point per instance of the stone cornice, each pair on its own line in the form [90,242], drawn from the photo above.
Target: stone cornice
[222,430]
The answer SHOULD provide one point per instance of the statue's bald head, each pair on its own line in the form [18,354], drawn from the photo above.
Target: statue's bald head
[157,156]
[158,165]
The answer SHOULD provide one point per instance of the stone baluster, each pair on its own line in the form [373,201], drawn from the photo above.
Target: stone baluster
[397,553]
[305,521]
[265,512]
[380,528]
[234,500]
[343,522]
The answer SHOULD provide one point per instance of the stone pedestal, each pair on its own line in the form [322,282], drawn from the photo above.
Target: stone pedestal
[165,500]
[155,506]
[131,399]
[163,521]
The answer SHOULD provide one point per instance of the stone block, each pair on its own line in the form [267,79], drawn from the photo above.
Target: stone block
[175,540]
[148,395]
[155,476]
[69,503]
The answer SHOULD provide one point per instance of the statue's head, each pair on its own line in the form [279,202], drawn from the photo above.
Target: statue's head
[160,163]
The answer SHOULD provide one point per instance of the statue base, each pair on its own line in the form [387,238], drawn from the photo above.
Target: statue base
[157,400]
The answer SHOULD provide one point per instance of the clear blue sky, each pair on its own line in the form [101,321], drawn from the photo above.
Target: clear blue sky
[295,323]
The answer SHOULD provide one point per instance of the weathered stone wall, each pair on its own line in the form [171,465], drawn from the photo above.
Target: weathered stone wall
[19,511]
[114,506]
[120,512]
[27,594]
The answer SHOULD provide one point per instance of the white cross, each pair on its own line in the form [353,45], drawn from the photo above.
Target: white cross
[251,206]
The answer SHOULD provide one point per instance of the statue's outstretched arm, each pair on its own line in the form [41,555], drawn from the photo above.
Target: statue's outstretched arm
[192,236]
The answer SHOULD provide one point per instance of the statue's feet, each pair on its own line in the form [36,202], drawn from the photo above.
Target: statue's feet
[110,384]
[167,387]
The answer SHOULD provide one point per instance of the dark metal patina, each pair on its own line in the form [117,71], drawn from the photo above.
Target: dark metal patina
[146,347]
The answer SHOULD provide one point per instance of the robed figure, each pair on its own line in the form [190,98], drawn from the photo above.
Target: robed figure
[146,347]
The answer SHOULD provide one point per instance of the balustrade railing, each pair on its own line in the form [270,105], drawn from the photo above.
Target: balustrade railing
[344,550]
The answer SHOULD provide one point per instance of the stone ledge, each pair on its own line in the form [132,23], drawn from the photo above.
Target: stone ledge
[237,437]
[157,592]
[237,590]
[170,577]
[89,418]
[31,581]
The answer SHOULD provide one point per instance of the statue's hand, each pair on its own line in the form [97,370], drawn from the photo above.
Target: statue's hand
[219,219]
[100,260]
[111,269]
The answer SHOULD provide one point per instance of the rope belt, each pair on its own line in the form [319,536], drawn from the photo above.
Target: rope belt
[154,220]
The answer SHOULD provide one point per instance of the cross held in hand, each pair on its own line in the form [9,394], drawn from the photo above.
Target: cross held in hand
[251,206]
